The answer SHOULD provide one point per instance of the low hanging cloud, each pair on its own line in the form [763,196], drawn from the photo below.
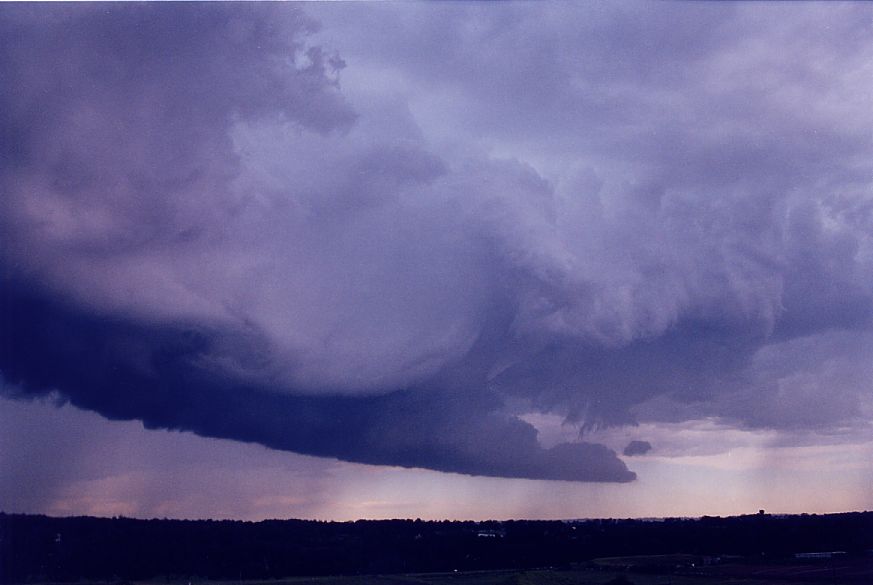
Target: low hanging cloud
[202,231]
[637,447]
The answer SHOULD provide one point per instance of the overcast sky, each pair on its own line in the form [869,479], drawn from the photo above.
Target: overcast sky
[436,260]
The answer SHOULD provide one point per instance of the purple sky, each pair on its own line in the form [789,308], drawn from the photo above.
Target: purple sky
[436,260]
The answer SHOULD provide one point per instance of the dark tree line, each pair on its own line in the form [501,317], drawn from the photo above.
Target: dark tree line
[40,548]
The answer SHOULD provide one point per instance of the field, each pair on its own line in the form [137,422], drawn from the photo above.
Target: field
[851,572]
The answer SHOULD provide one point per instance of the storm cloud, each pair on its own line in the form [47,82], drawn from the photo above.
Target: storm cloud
[205,229]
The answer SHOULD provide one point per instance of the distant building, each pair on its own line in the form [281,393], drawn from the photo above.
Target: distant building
[490,534]
[820,555]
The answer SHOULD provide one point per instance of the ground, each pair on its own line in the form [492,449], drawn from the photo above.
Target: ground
[789,572]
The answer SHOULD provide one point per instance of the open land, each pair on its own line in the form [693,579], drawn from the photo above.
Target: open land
[784,572]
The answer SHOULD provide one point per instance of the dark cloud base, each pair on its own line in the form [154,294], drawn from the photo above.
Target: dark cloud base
[124,371]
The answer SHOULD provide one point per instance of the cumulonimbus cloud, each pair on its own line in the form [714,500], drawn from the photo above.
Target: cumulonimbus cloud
[199,230]
[193,237]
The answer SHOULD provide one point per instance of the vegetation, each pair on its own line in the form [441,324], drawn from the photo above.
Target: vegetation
[44,549]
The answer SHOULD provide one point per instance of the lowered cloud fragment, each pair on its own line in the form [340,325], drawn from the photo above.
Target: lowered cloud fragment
[203,229]
[637,447]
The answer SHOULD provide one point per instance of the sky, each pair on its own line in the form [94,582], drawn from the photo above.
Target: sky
[451,260]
